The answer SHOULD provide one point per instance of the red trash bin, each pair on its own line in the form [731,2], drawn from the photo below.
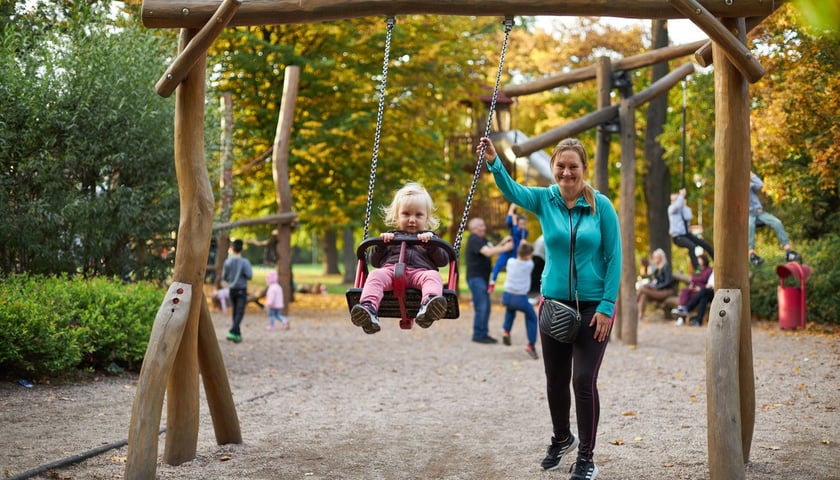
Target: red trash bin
[792,299]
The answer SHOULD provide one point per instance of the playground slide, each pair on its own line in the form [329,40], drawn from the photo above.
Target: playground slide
[537,163]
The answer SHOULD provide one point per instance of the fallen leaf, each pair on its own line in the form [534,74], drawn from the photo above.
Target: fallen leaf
[225,458]
[638,439]
[825,441]
[629,414]
[617,441]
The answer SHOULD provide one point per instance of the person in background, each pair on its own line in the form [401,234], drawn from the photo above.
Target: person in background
[478,253]
[572,215]
[700,302]
[759,215]
[236,272]
[274,302]
[515,296]
[411,212]
[695,287]
[661,286]
[518,232]
[679,215]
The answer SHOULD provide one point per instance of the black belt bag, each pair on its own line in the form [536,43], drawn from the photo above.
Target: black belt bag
[559,321]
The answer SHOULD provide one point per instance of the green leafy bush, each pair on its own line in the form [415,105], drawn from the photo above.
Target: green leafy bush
[823,258]
[53,325]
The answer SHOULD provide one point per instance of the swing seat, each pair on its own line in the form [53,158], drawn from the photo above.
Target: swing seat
[403,302]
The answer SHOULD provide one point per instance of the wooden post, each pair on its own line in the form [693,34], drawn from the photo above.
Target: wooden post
[726,458]
[194,234]
[627,219]
[603,78]
[215,379]
[170,321]
[732,180]
[280,171]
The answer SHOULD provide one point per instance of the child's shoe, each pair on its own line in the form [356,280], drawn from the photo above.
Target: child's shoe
[270,327]
[506,337]
[364,315]
[430,311]
[532,352]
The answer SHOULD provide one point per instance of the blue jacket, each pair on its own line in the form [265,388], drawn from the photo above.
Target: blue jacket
[597,244]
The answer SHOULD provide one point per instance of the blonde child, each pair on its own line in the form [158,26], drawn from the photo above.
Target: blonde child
[411,213]
[274,302]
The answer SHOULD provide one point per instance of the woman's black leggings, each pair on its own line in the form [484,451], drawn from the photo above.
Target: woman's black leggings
[577,363]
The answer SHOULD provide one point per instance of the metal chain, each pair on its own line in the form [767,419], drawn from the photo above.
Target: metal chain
[390,21]
[457,246]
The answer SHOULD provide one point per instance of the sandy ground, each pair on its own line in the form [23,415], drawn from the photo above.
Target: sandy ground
[324,401]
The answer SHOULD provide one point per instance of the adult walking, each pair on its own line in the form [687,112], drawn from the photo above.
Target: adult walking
[478,254]
[572,209]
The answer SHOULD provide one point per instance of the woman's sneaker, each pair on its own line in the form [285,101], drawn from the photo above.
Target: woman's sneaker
[364,315]
[554,453]
[434,309]
[583,470]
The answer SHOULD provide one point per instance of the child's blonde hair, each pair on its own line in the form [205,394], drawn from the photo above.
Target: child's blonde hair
[412,194]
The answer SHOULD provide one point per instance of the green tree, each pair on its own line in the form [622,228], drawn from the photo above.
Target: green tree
[796,122]
[435,63]
[87,181]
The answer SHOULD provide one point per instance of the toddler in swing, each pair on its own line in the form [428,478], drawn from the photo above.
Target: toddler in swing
[411,214]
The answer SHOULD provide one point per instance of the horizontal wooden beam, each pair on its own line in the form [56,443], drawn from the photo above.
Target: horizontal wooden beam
[196,13]
[277,218]
[588,73]
[603,115]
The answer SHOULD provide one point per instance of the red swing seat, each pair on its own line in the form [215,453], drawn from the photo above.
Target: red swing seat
[403,302]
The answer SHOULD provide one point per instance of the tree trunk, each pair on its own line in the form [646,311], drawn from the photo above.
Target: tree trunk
[328,243]
[658,178]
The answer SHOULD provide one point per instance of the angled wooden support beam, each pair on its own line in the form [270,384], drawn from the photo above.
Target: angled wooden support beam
[188,57]
[703,56]
[588,73]
[603,115]
[735,50]
[570,129]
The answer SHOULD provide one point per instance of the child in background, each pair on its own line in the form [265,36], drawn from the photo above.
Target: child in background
[515,296]
[412,213]
[274,302]
[518,232]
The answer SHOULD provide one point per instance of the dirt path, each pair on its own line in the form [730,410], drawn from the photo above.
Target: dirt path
[324,401]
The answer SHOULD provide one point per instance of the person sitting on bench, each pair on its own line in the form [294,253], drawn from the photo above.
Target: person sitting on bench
[700,302]
[661,286]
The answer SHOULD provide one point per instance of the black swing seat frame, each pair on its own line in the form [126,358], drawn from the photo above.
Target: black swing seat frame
[403,302]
